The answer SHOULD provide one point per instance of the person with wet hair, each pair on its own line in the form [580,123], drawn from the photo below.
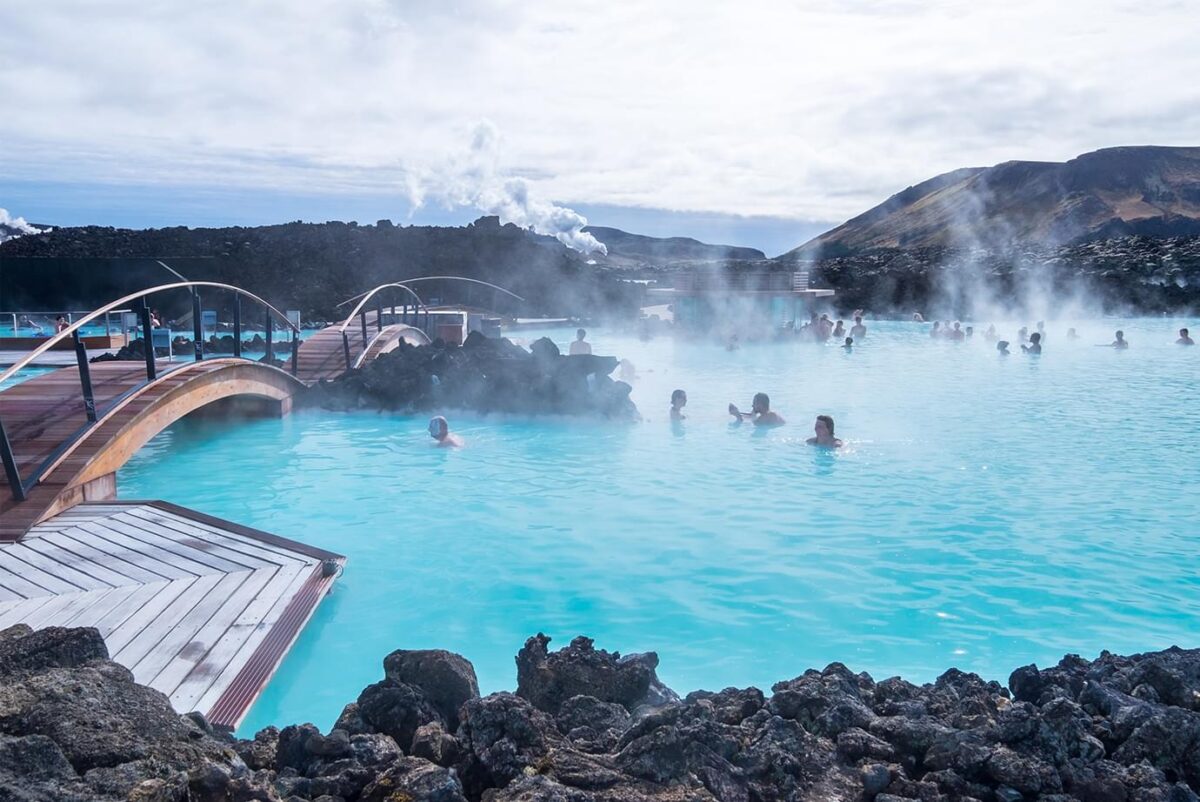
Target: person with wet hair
[678,402]
[839,330]
[1072,334]
[439,430]
[580,346]
[1035,344]
[760,413]
[990,334]
[1041,329]
[1184,339]
[1023,335]
[1120,343]
[936,331]
[970,332]
[957,334]
[848,346]
[858,330]
[823,429]
[1002,347]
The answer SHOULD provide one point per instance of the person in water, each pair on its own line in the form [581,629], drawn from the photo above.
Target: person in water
[970,332]
[858,330]
[990,334]
[1035,344]
[1120,343]
[760,413]
[1041,329]
[580,346]
[678,402]
[936,331]
[1002,347]
[1023,335]
[1184,339]
[439,430]
[957,334]
[848,346]
[823,428]
[1072,335]
[60,324]
[839,330]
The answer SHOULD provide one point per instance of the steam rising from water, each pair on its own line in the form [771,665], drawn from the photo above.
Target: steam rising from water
[476,179]
[13,227]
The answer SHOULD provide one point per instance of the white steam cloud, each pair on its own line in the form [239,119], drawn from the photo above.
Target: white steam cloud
[476,179]
[13,227]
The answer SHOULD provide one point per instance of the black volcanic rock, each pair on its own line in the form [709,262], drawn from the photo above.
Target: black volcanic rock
[638,250]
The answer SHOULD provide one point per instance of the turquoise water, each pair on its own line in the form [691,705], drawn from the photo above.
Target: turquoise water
[986,513]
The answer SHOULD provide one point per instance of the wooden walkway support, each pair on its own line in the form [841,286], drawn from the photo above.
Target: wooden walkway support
[201,609]
[323,356]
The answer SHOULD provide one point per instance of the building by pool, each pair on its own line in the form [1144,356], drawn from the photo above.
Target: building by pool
[751,301]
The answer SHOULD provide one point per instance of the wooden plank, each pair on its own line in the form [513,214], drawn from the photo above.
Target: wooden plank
[14,612]
[175,631]
[224,615]
[116,618]
[97,609]
[265,553]
[236,662]
[170,555]
[62,606]
[133,564]
[15,561]
[69,553]
[184,543]
[136,626]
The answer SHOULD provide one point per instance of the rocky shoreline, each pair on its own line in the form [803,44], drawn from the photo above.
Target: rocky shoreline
[587,724]
[485,375]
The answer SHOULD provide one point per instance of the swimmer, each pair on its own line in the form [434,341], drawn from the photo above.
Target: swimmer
[824,431]
[1071,335]
[1041,329]
[1002,347]
[970,332]
[1035,344]
[732,345]
[580,346]
[439,430]
[858,330]
[839,330]
[826,328]
[848,346]
[1120,343]
[957,335]
[760,413]
[1023,334]
[678,402]
[1184,339]
[990,334]
[936,331]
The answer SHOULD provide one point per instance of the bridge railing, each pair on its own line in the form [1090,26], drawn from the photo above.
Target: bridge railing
[21,486]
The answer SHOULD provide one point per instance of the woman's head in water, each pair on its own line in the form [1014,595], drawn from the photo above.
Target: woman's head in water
[1002,346]
[823,427]
[438,428]
[679,399]
[761,403]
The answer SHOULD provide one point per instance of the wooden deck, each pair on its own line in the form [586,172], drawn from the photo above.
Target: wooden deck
[201,609]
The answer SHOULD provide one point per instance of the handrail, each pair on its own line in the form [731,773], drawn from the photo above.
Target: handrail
[69,331]
[386,331]
[436,278]
[371,294]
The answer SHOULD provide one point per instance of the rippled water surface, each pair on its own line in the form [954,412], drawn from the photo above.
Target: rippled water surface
[986,513]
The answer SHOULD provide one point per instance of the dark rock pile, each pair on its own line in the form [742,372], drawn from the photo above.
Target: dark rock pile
[586,724]
[485,375]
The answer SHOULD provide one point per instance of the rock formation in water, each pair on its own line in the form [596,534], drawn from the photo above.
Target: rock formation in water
[484,375]
[586,724]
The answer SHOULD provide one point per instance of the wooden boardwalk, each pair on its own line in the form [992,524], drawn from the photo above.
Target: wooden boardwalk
[323,355]
[201,609]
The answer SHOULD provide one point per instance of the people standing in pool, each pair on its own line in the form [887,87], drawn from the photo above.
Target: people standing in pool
[824,328]
[760,413]
[823,429]
[1120,343]
[1072,335]
[858,330]
[1041,329]
[936,331]
[1002,348]
[839,331]
[1023,334]
[1184,339]
[1035,344]
[848,345]
[580,346]
[970,332]
[439,430]
[956,335]
[678,402]
[990,334]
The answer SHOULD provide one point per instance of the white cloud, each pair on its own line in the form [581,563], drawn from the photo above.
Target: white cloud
[808,110]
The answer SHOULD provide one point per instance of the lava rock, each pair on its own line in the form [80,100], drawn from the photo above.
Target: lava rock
[447,679]
[548,679]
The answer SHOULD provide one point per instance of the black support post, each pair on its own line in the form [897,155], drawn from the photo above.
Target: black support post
[270,336]
[295,352]
[362,316]
[237,326]
[10,467]
[378,316]
[148,340]
[85,377]
[197,327]
[346,348]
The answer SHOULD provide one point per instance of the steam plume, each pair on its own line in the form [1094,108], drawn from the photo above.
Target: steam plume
[476,179]
[13,227]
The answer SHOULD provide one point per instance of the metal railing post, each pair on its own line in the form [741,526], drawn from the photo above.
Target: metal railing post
[270,337]
[10,466]
[197,327]
[295,352]
[346,348]
[378,316]
[237,326]
[85,378]
[363,319]
[148,340]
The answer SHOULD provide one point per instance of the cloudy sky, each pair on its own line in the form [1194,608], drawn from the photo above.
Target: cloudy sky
[753,122]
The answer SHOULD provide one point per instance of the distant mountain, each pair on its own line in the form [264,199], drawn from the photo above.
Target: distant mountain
[636,250]
[1110,193]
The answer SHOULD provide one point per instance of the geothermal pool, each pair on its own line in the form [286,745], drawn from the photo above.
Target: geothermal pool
[986,513]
